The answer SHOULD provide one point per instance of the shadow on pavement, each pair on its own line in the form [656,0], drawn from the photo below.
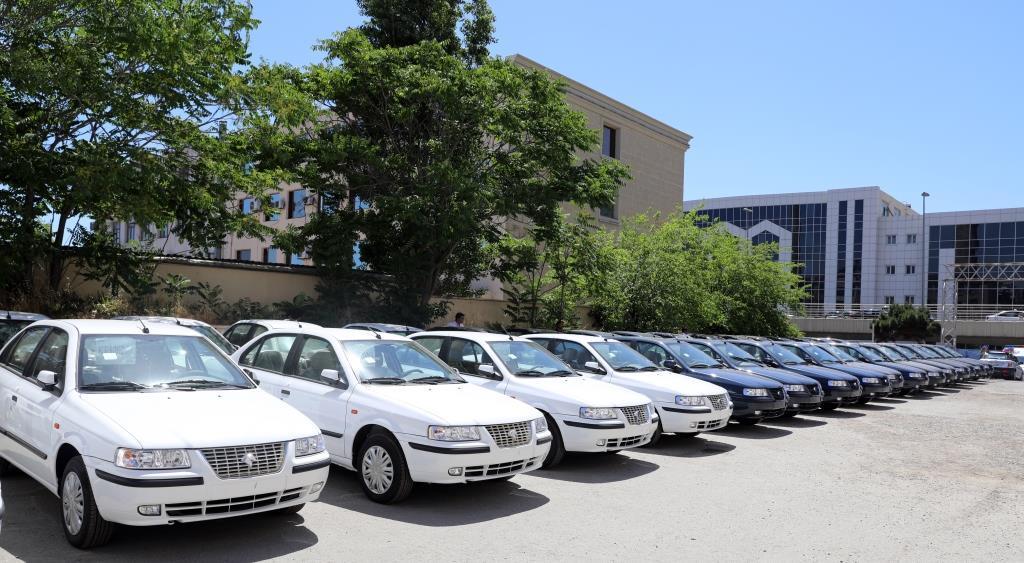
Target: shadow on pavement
[597,468]
[923,396]
[836,414]
[755,432]
[871,407]
[890,400]
[947,391]
[796,422]
[435,505]
[678,445]
[32,532]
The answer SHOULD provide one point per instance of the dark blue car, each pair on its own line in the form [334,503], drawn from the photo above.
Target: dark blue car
[754,398]
[873,383]
[914,378]
[804,393]
[839,388]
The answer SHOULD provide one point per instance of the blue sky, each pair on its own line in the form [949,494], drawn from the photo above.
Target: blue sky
[784,96]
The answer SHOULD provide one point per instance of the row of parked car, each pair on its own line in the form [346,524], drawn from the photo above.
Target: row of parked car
[146,421]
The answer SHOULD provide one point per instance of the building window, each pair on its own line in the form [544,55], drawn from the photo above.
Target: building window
[246,205]
[273,212]
[890,299]
[911,239]
[296,204]
[610,212]
[890,269]
[610,143]
[908,299]
[243,255]
[911,269]
[270,255]
[296,260]
[131,232]
[890,239]
[164,231]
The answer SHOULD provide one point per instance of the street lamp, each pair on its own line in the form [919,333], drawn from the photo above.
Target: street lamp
[924,251]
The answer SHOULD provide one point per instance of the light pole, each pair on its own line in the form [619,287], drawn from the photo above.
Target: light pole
[924,251]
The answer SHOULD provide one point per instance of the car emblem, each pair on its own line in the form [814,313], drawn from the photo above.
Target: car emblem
[248,459]
[513,434]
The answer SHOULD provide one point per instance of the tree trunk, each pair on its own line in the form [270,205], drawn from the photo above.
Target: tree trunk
[28,220]
[56,267]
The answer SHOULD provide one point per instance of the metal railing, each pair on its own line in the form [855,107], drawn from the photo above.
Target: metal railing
[965,312]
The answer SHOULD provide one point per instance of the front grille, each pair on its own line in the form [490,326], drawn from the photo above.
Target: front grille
[719,402]
[232,505]
[625,442]
[510,435]
[711,424]
[635,415]
[500,468]
[777,393]
[235,462]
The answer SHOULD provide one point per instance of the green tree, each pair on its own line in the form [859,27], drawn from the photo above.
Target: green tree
[906,322]
[427,151]
[176,287]
[127,110]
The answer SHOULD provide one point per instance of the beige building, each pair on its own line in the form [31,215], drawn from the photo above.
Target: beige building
[654,151]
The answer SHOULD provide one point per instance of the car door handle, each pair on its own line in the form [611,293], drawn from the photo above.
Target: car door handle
[285,392]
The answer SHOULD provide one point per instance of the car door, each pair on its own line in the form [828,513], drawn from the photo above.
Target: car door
[323,400]
[38,403]
[577,356]
[16,423]
[467,357]
[266,360]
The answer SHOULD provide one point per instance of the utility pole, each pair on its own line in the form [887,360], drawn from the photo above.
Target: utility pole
[924,251]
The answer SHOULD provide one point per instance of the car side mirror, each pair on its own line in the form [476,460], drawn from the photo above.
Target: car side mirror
[486,370]
[332,375]
[47,378]
[248,372]
[672,365]
[595,367]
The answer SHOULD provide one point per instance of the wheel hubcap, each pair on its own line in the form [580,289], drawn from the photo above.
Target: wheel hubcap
[378,470]
[73,501]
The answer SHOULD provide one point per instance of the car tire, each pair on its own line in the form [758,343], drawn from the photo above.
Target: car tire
[293,509]
[383,472]
[655,437]
[557,451]
[83,526]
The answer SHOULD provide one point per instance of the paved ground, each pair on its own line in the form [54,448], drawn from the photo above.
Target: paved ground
[938,476]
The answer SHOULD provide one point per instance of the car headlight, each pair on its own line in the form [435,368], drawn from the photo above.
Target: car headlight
[832,383]
[129,458]
[598,413]
[309,446]
[871,380]
[454,433]
[795,388]
[755,392]
[685,401]
[540,425]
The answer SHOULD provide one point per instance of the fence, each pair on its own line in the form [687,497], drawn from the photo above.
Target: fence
[965,312]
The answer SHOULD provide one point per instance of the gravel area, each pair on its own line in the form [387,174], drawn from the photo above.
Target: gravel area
[936,476]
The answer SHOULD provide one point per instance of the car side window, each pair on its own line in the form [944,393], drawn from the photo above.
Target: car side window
[432,343]
[315,356]
[753,351]
[573,353]
[52,356]
[652,352]
[271,353]
[20,353]
[467,357]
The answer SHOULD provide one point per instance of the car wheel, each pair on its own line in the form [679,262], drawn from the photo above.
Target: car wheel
[289,509]
[83,526]
[655,437]
[382,470]
[557,451]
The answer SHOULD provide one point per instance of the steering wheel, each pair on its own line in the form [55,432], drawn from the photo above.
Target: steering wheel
[412,371]
[190,373]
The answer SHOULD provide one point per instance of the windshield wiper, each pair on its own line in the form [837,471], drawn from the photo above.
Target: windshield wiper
[650,368]
[701,366]
[530,373]
[112,386]
[201,383]
[386,380]
[792,363]
[434,379]
[560,373]
[627,368]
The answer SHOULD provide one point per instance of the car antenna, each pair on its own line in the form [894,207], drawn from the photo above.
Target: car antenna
[503,329]
[375,331]
[145,329]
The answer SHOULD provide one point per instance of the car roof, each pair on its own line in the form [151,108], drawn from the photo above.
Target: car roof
[340,334]
[385,327]
[21,316]
[110,326]
[169,320]
[477,335]
[571,337]
[278,323]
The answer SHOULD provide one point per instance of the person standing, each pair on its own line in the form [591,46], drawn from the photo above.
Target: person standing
[459,322]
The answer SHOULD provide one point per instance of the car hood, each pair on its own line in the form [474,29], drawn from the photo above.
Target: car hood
[820,373]
[856,371]
[782,376]
[874,368]
[574,392]
[665,385]
[199,419]
[903,368]
[736,378]
[455,404]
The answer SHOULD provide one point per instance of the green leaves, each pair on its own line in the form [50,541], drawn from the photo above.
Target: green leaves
[906,322]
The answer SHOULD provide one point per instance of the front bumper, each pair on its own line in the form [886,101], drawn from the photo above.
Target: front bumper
[432,461]
[875,390]
[745,408]
[803,403]
[677,419]
[586,435]
[1006,373]
[841,395]
[197,493]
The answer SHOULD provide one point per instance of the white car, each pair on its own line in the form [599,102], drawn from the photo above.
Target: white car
[395,413]
[198,326]
[1003,364]
[1005,316]
[584,415]
[143,424]
[242,332]
[685,405]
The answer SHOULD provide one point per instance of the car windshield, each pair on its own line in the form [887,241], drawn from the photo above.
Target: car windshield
[946,352]
[925,352]
[787,354]
[10,327]
[821,355]
[895,353]
[738,355]
[908,352]
[150,362]
[622,357]
[871,354]
[529,359]
[838,352]
[996,356]
[396,362]
[691,356]
[215,337]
